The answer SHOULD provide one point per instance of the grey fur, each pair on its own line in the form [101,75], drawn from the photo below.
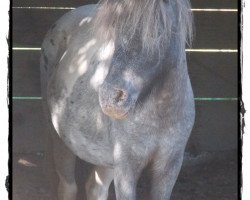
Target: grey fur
[116,105]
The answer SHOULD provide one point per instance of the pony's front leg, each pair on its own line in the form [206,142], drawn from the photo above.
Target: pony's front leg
[125,180]
[126,174]
[98,183]
[64,161]
[164,176]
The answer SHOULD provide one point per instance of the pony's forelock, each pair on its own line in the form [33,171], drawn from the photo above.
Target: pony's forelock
[153,20]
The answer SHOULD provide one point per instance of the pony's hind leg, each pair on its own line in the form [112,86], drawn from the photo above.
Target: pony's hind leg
[98,183]
[64,161]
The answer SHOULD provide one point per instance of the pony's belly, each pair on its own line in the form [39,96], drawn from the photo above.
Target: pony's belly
[85,130]
[88,148]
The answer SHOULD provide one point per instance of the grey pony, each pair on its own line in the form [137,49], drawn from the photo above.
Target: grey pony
[116,93]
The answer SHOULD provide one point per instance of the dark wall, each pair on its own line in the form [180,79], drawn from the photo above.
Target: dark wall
[213,74]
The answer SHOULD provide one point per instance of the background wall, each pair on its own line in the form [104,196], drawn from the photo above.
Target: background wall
[212,65]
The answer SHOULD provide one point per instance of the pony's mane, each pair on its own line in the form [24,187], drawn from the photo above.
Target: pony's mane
[151,19]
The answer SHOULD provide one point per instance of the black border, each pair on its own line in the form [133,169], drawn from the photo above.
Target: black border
[9,178]
[241,109]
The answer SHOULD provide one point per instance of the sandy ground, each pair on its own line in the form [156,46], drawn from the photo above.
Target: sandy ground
[209,176]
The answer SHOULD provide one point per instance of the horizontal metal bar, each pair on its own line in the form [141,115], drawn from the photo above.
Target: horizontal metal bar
[196,99]
[26,98]
[43,8]
[214,99]
[26,48]
[213,10]
[187,50]
[213,50]
[71,8]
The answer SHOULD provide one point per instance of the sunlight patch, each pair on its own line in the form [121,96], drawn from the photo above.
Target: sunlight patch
[26,163]
[64,54]
[97,179]
[117,150]
[106,51]
[86,19]
[83,67]
[87,46]
[99,76]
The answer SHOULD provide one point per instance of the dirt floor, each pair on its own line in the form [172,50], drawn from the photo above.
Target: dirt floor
[208,176]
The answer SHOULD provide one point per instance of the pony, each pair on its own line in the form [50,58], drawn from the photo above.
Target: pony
[117,94]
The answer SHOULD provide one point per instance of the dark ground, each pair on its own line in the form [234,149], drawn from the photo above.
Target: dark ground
[210,176]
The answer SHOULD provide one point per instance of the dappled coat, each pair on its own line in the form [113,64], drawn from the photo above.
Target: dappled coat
[116,91]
